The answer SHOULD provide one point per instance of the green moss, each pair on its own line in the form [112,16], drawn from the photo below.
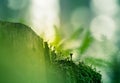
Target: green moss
[69,72]
[76,73]
[25,58]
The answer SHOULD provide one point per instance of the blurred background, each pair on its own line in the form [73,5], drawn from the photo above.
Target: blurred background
[89,29]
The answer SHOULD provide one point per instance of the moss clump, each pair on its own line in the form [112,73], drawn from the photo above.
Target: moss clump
[69,72]
[75,73]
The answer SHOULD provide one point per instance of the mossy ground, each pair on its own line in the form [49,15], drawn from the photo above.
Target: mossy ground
[69,72]
[25,59]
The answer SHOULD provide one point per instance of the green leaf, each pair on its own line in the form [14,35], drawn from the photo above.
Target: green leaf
[87,41]
[77,33]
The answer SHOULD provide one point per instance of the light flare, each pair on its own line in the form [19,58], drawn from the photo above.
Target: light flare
[44,16]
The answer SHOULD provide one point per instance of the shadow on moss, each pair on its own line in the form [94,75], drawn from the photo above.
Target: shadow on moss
[67,71]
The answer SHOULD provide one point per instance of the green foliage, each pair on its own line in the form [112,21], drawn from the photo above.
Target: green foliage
[80,34]
[74,73]
[77,33]
[97,62]
[69,72]
[87,41]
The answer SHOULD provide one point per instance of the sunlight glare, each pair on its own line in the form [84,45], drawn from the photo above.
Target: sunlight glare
[44,17]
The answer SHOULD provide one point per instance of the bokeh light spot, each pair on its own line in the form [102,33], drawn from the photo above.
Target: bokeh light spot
[107,7]
[103,26]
